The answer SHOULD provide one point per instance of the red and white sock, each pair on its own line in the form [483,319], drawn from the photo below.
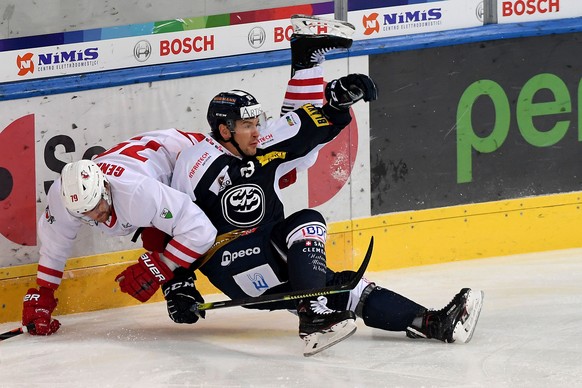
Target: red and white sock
[306,86]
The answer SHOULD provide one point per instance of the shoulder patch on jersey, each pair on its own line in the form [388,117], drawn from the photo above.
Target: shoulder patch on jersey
[264,159]
[221,182]
[166,214]
[290,120]
[48,216]
[315,115]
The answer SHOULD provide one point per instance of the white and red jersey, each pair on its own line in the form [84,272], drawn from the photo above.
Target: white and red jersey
[139,173]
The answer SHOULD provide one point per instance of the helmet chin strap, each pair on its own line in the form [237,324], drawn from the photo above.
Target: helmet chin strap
[230,126]
[106,195]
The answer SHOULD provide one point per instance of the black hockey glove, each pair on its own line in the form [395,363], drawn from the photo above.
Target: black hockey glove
[181,294]
[346,91]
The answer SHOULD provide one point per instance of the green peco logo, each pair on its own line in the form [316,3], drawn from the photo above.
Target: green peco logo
[526,110]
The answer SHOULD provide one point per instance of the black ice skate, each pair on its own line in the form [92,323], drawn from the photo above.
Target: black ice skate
[321,327]
[309,45]
[455,322]
[315,25]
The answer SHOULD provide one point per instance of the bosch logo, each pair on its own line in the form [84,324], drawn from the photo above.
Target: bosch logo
[257,37]
[529,7]
[229,257]
[244,206]
[187,45]
[480,12]
[282,34]
[142,51]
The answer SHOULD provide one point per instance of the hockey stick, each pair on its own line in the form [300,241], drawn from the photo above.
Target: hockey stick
[346,287]
[15,332]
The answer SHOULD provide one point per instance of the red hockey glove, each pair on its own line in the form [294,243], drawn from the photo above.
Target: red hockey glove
[37,309]
[143,279]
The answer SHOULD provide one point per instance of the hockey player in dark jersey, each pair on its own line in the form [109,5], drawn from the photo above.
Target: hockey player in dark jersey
[234,175]
[236,184]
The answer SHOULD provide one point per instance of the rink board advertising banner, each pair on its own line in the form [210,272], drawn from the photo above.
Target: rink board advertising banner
[191,39]
[475,123]
[519,11]
[414,17]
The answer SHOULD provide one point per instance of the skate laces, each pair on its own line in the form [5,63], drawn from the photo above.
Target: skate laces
[318,56]
[456,302]
[319,306]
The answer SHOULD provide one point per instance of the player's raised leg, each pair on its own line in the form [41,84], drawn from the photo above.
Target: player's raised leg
[312,39]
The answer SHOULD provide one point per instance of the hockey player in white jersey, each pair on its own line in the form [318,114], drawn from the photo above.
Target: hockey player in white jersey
[235,177]
[121,190]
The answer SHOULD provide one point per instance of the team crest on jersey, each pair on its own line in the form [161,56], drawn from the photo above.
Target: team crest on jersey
[166,214]
[315,114]
[243,206]
[264,159]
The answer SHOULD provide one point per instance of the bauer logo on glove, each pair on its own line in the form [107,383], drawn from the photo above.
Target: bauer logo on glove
[37,311]
[143,279]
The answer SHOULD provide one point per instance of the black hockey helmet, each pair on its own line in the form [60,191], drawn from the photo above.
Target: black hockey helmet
[227,107]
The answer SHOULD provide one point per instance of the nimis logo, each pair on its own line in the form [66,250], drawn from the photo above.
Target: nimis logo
[25,64]
[371,24]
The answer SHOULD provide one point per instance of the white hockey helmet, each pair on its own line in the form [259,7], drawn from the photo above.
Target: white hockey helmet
[82,186]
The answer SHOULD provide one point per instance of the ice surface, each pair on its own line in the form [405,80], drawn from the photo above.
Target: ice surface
[529,335]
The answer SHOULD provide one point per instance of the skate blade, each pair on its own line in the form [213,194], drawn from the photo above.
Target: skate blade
[465,328]
[318,342]
[312,25]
